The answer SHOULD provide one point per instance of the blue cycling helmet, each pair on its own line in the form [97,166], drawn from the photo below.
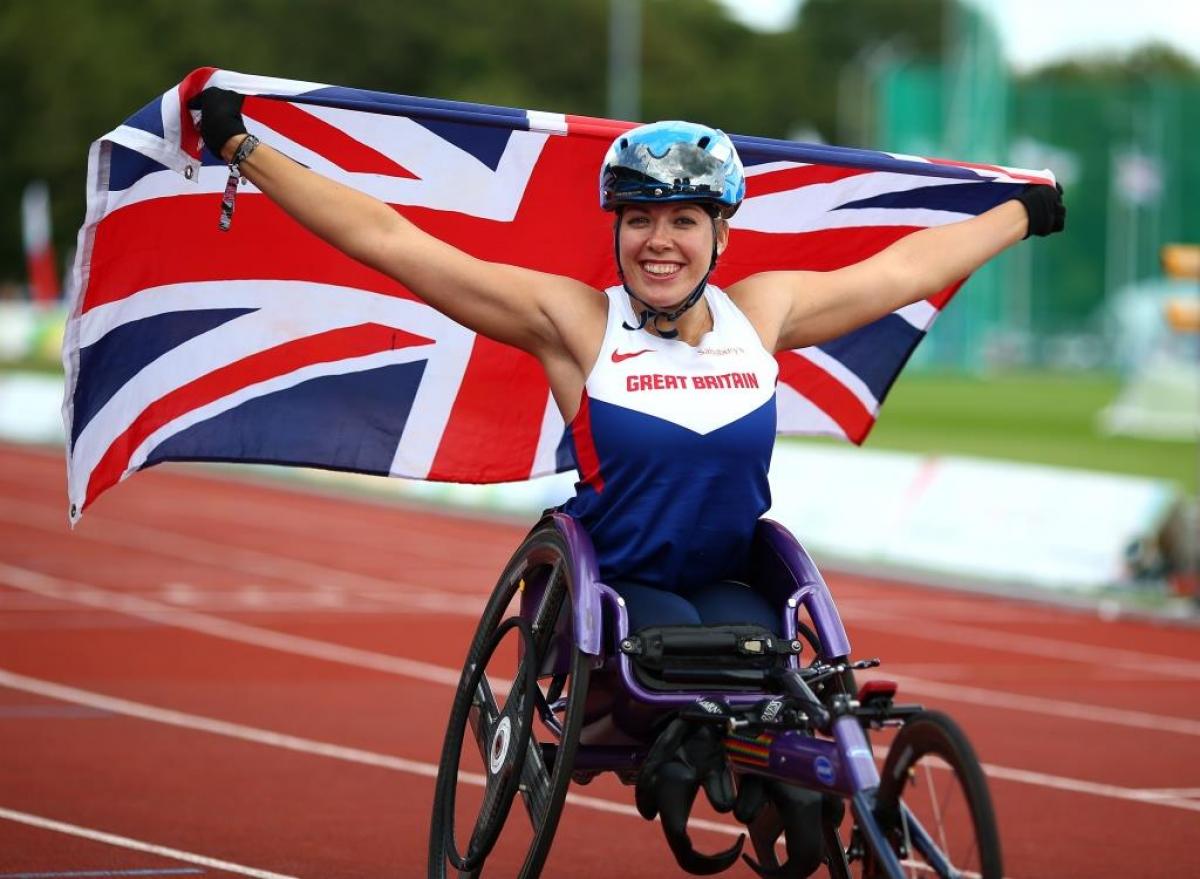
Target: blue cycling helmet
[673,161]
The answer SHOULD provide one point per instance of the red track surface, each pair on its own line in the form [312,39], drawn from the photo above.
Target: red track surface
[309,756]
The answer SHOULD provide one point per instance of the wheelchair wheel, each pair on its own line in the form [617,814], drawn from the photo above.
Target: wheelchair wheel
[533,752]
[933,803]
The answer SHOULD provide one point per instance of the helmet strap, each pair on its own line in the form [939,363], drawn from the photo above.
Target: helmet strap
[649,312]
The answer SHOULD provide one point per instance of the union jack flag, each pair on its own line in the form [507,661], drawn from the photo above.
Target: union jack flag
[264,344]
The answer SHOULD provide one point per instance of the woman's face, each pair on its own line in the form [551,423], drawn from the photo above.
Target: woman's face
[666,249]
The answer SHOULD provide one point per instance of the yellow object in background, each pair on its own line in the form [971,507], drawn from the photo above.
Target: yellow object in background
[1181,261]
[1183,315]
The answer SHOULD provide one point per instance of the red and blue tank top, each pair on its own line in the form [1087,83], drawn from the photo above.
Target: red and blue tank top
[673,443]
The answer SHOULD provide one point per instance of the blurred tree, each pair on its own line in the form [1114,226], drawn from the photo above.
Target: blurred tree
[1151,61]
[699,64]
[835,44]
[72,69]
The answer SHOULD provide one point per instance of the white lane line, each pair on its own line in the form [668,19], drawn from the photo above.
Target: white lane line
[284,741]
[1070,785]
[269,566]
[218,627]
[1079,786]
[136,845]
[67,590]
[266,502]
[1032,645]
[1189,793]
[953,610]
[159,541]
[1054,707]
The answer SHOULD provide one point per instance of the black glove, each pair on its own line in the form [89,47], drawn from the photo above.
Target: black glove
[220,117]
[1044,205]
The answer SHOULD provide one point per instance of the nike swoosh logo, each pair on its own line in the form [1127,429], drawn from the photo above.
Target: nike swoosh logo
[617,356]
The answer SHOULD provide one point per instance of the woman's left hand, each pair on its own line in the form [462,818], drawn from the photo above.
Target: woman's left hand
[1044,205]
[220,119]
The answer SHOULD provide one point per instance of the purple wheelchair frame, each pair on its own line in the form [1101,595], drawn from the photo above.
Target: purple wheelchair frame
[785,573]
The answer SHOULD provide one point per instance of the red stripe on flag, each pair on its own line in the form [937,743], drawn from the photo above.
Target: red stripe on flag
[340,344]
[586,457]
[192,85]
[794,178]
[826,393]
[995,169]
[593,126]
[493,431]
[819,251]
[939,300]
[321,137]
[176,240]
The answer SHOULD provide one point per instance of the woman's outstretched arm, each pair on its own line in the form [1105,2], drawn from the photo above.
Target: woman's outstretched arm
[518,306]
[807,308]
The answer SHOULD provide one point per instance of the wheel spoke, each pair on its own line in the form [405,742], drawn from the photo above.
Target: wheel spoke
[939,823]
[919,842]
[547,612]
[908,843]
[535,784]
[483,715]
[948,808]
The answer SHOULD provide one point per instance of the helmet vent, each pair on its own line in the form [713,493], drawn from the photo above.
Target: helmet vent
[704,142]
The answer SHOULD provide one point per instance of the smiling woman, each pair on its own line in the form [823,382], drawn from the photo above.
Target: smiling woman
[666,382]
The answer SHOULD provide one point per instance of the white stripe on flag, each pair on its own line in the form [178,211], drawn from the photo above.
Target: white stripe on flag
[843,374]
[918,314]
[445,178]
[798,414]
[547,123]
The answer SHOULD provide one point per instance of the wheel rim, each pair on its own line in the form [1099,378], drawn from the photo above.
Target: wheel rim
[539,575]
[499,735]
[933,804]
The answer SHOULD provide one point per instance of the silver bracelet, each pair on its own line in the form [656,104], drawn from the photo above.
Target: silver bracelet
[243,151]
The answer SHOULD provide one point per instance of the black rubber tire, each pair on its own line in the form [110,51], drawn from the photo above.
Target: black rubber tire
[503,779]
[543,554]
[932,734]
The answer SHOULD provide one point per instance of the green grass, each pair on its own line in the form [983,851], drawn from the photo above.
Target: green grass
[32,363]
[1043,418]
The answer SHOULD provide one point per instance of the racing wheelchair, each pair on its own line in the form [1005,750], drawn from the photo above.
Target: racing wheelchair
[777,737]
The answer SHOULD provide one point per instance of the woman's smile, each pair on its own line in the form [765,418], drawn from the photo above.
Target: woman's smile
[661,270]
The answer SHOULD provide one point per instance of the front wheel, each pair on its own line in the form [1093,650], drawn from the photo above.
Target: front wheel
[509,733]
[933,803]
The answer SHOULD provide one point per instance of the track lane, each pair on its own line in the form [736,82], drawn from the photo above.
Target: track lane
[96,853]
[445,640]
[408,628]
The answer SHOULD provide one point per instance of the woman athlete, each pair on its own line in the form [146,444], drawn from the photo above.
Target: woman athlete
[666,382]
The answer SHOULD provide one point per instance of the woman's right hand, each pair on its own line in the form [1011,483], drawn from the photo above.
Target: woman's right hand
[220,120]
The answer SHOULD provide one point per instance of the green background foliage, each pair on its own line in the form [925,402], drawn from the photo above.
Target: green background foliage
[72,69]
